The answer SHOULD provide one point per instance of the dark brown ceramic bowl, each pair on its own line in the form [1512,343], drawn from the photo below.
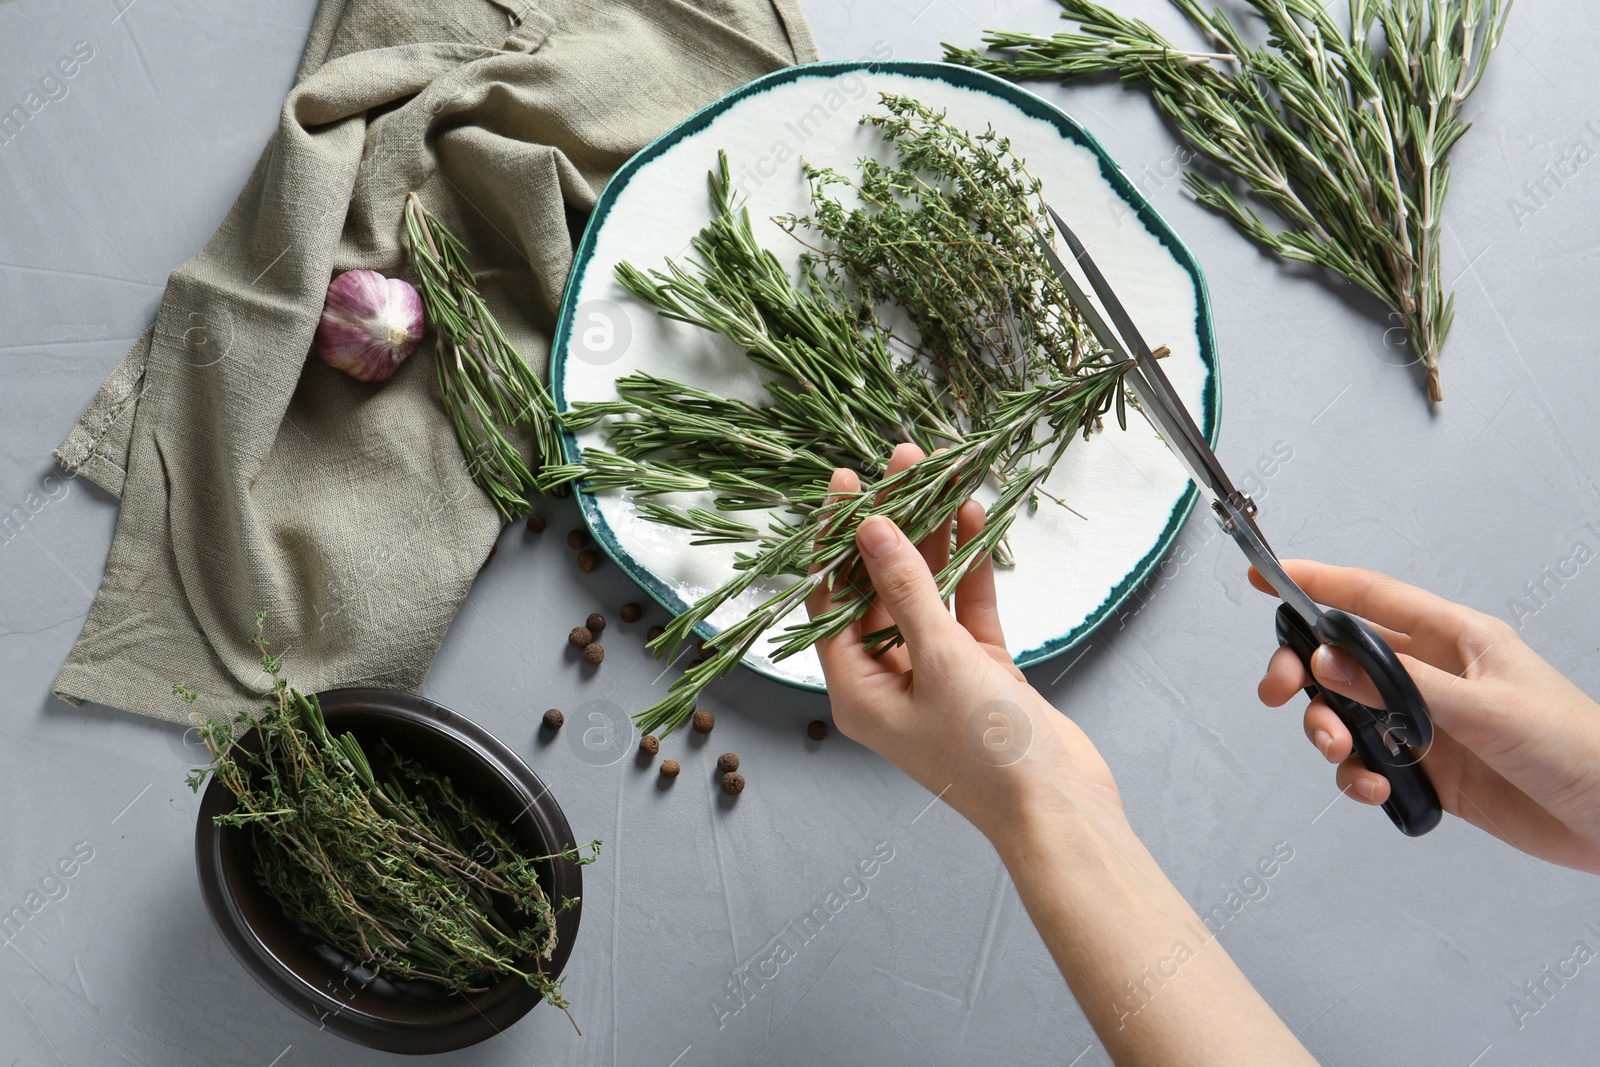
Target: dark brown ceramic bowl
[332,990]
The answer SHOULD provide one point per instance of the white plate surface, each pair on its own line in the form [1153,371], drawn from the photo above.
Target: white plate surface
[1070,574]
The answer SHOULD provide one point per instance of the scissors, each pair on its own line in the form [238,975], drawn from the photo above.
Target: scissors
[1390,740]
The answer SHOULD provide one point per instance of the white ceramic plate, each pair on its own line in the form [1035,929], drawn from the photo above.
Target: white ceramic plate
[1070,574]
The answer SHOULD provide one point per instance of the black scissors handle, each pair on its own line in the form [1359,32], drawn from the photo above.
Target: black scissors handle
[1390,742]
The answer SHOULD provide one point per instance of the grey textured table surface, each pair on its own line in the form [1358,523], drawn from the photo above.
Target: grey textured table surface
[1374,948]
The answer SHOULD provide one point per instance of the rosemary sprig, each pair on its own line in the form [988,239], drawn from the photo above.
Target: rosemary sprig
[487,388]
[384,860]
[1346,141]
[1001,375]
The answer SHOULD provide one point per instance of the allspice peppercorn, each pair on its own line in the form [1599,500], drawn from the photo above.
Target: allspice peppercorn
[649,744]
[654,632]
[596,623]
[577,539]
[727,763]
[588,560]
[579,636]
[631,612]
[703,721]
[536,523]
[817,730]
[553,718]
[733,784]
[670,768]
[594,653]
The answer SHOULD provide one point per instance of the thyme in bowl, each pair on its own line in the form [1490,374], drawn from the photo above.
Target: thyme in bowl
[998,377]
[1345,139]
[382,859]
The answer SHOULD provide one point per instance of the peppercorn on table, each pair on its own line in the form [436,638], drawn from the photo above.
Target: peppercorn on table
[768,891]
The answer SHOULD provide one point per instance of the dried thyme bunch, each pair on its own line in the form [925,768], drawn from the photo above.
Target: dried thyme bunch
[1344,139]
[486,386]
[382,859]
[1001,376]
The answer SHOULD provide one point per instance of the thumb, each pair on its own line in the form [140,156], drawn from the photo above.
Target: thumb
[904,584]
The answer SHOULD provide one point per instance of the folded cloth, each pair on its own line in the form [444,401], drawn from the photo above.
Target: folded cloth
[253,478]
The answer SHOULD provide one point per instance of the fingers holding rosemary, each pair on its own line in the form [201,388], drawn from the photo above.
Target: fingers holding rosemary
[843,652]
[935,548]
[977,608]
[934,552]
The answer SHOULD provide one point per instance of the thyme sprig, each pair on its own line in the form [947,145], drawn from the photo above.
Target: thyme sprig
[487,388]
[1344,133]
[999,375]
[382,859]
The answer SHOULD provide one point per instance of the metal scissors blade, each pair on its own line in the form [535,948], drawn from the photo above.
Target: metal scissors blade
[1159,402]
[1164,395]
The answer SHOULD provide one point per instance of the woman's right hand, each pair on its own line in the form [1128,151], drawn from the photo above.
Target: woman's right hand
[1516,746]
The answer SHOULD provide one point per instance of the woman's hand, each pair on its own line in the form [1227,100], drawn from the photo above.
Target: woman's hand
[1516,747]
[949,707]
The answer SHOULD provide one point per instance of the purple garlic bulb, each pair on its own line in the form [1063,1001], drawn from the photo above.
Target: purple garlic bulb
[369,324]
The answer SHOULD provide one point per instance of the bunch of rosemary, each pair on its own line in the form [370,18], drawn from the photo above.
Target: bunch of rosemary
[1344,139]
[486,386]
[383,859]
[1000,373]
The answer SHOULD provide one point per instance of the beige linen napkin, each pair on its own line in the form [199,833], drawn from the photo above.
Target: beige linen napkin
[253,477]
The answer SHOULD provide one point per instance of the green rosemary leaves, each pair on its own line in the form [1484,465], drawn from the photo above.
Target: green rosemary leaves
[381,858]
[488,390]
[1346,140]
[1001,375]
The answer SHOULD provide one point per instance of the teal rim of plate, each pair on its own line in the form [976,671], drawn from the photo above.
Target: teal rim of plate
[963,77]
